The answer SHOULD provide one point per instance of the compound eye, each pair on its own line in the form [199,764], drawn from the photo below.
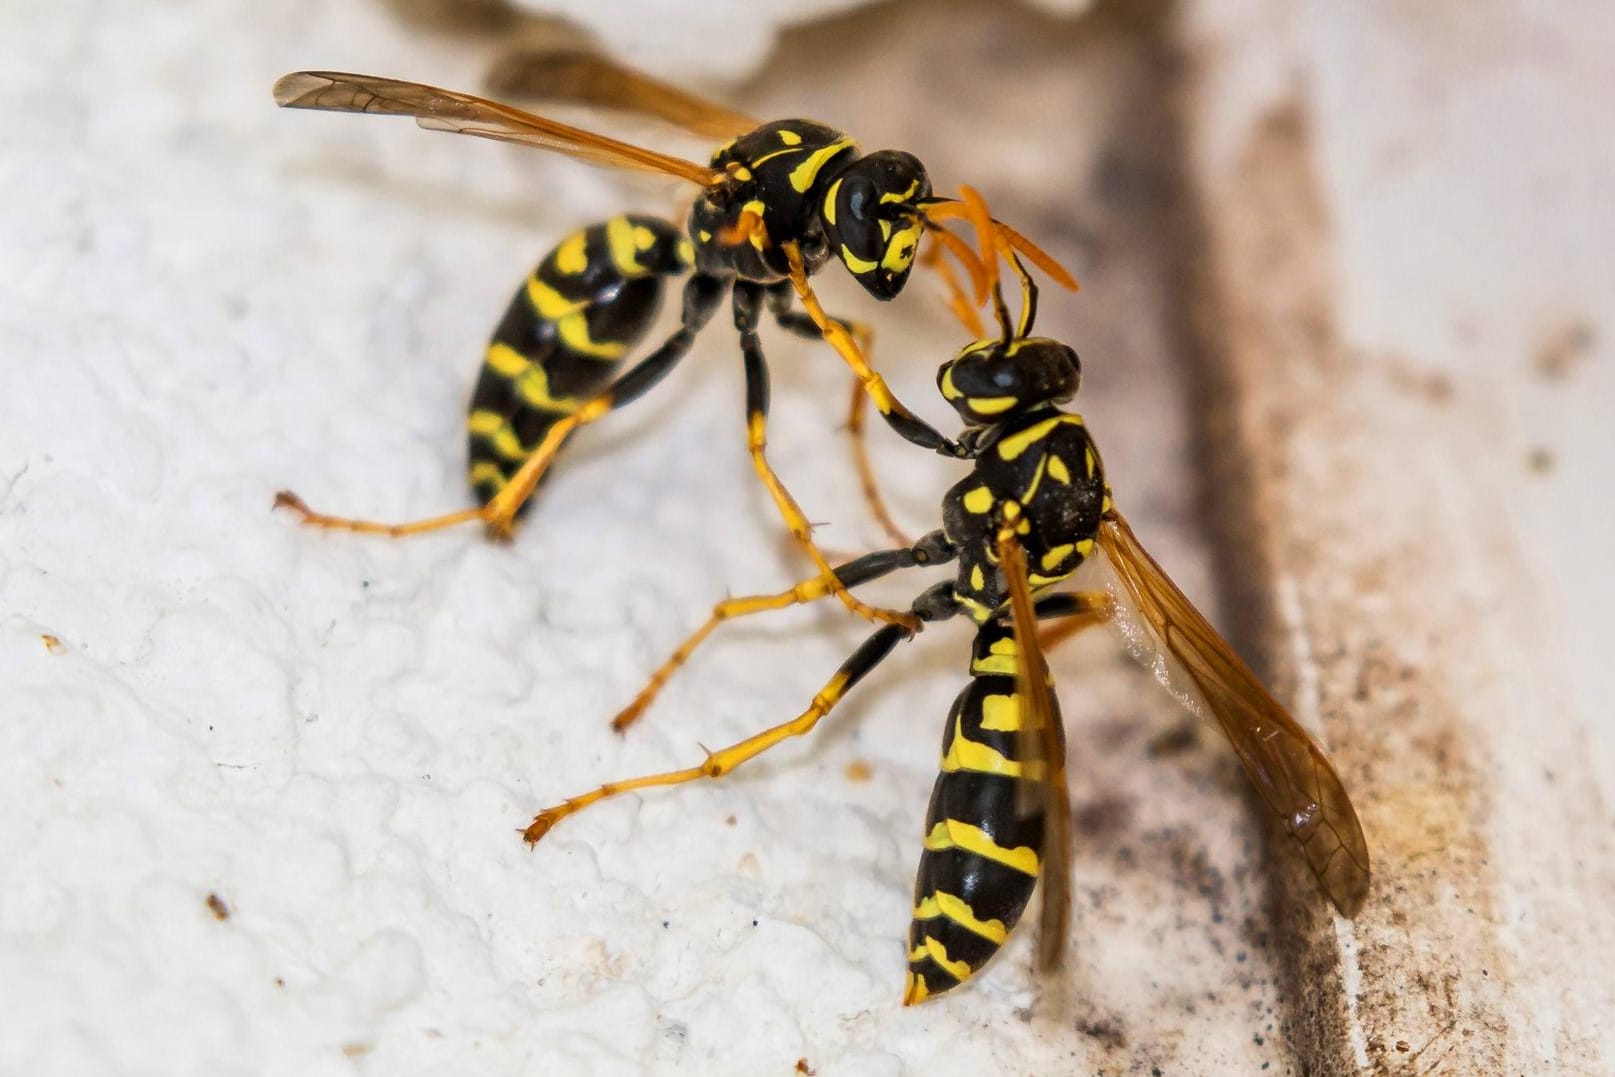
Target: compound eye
[858,197]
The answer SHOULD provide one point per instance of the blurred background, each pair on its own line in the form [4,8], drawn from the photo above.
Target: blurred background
[1344,324]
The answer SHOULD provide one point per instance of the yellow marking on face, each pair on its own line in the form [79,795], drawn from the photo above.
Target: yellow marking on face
[687,251]
[803,175]
[486,471]
[624,251]
[949,390]
[570,257]
[574,332]
[492,427]
[966,754]
[740,172]
[859,266]
[900,247]
[706,237]
[992,405]
[789,137]
[1058,471]
[550,304]
[959,911]
[830,201]
[893,196]
[978,579]
[1001,714]
[644,238]
[1011,447]
[978,501]
[1056,557]
[952,834]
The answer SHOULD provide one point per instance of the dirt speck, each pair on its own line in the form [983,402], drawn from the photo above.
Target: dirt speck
[1563,347]
[216,905]
[859,770]
[53,644]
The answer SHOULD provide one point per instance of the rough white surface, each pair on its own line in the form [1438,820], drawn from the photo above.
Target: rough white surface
[208,299]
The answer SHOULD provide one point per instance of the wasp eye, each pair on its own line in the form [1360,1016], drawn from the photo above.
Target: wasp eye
[858,197]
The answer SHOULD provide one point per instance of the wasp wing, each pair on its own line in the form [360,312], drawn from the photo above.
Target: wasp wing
[1041,749]
[576,77]
[1288,767]
[449,110]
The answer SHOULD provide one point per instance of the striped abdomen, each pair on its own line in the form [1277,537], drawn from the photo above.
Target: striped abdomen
[981,856]
[566,330]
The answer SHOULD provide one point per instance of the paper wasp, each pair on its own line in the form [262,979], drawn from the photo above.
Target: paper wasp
[776,203]
[1034,509]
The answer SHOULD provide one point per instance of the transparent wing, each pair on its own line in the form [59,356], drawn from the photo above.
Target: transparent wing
[448,110]
[586,78]
[1042,752]
[1288,767]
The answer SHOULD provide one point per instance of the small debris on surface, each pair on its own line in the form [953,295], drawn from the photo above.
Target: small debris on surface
[1540,459]
[53,644]
[216,905]
[1562,348]
[859,770]
[803,1067]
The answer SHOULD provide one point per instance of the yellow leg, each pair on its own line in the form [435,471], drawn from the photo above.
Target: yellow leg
[866,473]
[724,760]
[498,515]
[727,610]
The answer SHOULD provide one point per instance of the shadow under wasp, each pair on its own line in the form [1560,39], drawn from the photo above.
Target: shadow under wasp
[777,202]
[1034,509]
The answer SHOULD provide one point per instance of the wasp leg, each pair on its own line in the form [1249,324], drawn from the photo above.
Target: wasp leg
[908,425]
[935,603]
[701,297]
[779,298]
[1081,610]
[748,298]
[933,549]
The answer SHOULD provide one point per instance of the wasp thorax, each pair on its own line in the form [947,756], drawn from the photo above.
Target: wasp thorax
[991,379]
[872,218]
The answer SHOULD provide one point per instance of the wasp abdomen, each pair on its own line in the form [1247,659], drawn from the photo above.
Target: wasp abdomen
[569,325]
[981,857]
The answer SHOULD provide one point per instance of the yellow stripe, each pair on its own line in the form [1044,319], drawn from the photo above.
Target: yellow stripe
[803,175]
[934,949]
[756,208]
[487,471]
[966,754]
[1001,714]
[893,196]
[1090,460]
[978,579]
[550,304]
[574,330]
[1037,480]
[914,989]
[1001,658]
[507,361]
[1058,471]
[830,201]
[855,263]
[789,137]
[624,250]
[952,834]
[991,405]
[1011,447]
[949,390]
[492,427]
[570,257]
[1055,556]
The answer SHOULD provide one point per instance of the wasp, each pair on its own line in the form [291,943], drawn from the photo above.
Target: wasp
[1034,508]
[776,203]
